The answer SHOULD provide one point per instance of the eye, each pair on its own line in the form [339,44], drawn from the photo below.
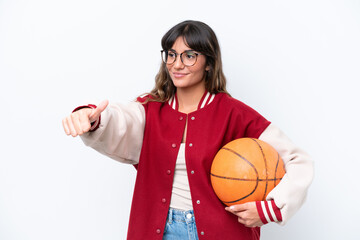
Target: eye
[190,54]
[171,55]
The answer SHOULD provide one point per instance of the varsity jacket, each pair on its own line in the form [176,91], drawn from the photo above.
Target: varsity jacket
[149,135]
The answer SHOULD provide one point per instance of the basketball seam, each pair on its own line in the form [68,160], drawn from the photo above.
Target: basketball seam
[252,165]
[266,167]
[277,164]
[245,179]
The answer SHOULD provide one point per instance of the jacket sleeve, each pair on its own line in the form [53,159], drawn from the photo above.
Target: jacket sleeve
[290,193]
[120,132]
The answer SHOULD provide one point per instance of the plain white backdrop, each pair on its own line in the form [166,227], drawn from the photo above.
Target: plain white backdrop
[296,62]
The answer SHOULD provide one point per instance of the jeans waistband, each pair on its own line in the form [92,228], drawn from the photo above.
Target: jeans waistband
[178,215]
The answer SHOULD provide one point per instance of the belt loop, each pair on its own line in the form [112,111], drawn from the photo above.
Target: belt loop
[170,215]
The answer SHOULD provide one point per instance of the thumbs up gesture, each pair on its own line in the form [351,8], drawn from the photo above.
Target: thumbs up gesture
[79,122]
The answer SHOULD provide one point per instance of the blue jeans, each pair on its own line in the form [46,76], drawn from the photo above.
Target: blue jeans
[180,225]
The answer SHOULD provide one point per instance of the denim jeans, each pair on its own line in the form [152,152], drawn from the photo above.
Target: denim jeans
[180,225]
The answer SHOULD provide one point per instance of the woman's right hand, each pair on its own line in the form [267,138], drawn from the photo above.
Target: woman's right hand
[79,122]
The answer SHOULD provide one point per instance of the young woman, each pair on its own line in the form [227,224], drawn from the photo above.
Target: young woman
[172,135]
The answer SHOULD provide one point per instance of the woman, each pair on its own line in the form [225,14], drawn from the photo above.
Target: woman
[171,136]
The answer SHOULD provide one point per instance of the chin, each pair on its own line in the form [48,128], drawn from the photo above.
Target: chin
[181,85]
[179,82]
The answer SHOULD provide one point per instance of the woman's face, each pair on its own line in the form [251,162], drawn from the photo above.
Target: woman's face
[186,77]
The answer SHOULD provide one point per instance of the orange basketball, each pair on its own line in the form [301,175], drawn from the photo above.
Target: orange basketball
[245,170]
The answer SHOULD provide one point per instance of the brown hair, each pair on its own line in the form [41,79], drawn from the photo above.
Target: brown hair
[201,38]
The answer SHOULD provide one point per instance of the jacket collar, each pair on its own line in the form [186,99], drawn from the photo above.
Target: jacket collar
[206,99]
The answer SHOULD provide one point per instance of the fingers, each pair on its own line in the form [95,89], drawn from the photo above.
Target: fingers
[238,207]
[84,124]
[77,123]
[98,110]
[69,126]
[66,127]
[247,214]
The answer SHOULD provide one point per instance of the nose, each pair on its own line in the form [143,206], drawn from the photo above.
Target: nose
[178,64]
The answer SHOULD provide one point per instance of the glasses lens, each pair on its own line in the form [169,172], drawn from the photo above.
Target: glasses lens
[164,56]
[171,57]
[168,57]
[189,58]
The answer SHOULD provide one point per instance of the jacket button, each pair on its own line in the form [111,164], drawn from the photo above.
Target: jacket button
[202,233]
[158,231]
[173,145]
[192,118]
[190,144]
[163,200]
[181,118]
[198,201]
[192,172]
[168,172]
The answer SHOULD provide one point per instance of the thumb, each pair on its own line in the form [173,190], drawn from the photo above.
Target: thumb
[98,110]
[237,208]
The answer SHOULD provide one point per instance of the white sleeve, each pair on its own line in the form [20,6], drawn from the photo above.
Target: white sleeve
[120,134]
[290,193]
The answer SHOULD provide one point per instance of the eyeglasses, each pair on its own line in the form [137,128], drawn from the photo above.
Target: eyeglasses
[189,59]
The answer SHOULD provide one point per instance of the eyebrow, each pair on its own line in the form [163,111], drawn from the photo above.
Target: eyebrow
[173,50]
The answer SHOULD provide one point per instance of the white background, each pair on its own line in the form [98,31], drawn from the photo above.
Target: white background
[296,62]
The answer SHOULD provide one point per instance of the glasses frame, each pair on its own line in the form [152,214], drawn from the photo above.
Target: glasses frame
[179,54]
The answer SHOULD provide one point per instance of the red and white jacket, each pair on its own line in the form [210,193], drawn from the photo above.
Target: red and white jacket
[149,135]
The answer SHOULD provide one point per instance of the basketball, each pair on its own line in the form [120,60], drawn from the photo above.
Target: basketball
[245,170]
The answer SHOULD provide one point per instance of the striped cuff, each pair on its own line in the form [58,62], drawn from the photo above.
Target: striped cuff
[94,125]
[268,211]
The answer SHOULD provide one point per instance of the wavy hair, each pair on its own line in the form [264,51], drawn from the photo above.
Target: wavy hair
[201,38]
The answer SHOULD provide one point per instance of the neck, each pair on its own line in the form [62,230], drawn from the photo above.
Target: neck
[189,98]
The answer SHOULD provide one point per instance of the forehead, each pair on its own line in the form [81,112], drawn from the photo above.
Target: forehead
[180,45]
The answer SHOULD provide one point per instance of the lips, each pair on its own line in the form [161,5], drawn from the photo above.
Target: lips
[179,74]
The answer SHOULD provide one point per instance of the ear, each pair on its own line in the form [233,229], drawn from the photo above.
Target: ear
[207,68]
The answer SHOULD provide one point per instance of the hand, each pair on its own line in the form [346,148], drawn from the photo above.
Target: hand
[247,214]
[79,122]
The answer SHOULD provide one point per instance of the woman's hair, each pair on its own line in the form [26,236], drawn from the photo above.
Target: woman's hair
[199,37]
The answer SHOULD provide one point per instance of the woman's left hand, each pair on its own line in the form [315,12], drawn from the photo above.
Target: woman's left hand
[247,214]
